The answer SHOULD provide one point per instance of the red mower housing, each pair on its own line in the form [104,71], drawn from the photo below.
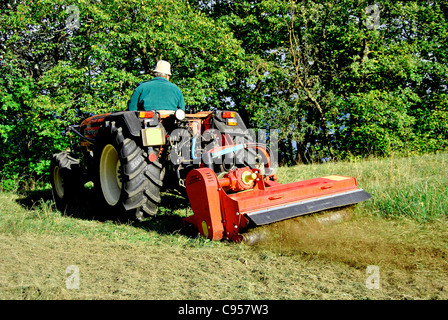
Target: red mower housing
[225,207]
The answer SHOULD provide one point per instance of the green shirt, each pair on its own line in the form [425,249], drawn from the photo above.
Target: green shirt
[157,93]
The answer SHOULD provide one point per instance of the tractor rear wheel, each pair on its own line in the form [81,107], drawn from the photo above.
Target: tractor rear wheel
[126,180]
[65,178]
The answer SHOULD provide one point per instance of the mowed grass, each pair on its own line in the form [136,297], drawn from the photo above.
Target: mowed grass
[402,230]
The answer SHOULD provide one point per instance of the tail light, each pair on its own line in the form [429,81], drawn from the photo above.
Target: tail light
[146,114]
[228,114]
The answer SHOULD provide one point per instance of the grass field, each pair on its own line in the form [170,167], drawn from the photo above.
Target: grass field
[402,231]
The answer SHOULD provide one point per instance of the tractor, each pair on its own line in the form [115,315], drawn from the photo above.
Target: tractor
[210,156]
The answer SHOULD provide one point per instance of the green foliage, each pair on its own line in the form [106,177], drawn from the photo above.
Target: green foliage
[53,75]
[333,87]
[337,88]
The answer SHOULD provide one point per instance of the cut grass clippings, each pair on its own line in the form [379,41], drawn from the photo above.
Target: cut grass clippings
[402,230]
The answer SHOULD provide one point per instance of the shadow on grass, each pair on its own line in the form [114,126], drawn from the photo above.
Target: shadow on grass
[168,220]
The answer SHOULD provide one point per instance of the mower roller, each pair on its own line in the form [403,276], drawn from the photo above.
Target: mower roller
[133,155]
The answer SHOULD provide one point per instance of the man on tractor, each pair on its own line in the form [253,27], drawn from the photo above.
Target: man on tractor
[158,93]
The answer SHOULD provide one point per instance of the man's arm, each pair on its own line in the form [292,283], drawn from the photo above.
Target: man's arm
[132,103]
[181,103]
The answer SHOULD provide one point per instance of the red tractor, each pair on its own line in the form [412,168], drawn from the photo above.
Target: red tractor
[211,156]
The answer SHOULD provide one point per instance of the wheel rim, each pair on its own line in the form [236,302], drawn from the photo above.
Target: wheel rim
[58,182]
[110,167]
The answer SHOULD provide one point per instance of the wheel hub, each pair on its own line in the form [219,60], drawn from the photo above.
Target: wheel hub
[58,182]
[110,170]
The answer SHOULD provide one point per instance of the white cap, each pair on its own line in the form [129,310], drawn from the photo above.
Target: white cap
[163,67]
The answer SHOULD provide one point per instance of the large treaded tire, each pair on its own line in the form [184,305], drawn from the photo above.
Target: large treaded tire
[65,178]
[126,181]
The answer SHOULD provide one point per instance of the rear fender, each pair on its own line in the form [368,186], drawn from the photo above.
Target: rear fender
[129,121]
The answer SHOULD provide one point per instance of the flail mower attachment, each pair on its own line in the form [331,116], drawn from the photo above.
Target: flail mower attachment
[224,207]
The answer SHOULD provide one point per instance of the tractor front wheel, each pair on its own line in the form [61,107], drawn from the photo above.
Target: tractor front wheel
[65,178]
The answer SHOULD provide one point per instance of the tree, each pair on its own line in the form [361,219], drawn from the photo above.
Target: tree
[342,78]
[55,74]
[336,79]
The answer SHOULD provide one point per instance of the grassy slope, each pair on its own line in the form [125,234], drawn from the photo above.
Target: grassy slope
[402,230]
